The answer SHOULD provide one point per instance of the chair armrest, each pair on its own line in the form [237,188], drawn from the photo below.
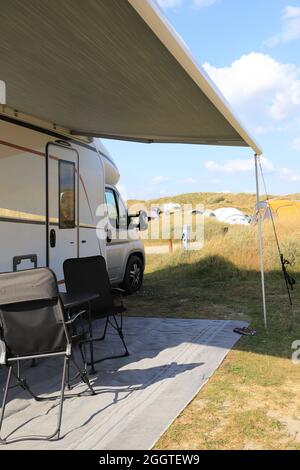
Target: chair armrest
[78,314]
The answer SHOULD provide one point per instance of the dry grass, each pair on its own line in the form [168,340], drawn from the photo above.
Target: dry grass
[242,201]
[252,401]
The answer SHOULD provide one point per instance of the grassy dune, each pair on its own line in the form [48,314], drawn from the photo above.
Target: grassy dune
[252,401]
[243,201]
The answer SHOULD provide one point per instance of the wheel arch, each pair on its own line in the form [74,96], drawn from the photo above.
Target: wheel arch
[140,254]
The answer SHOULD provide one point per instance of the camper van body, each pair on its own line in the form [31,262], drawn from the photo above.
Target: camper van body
[52,185]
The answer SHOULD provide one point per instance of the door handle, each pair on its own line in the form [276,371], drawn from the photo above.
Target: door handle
[52,238]
[108,236]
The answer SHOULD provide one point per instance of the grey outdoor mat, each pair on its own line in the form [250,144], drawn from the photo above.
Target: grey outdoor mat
[138,397]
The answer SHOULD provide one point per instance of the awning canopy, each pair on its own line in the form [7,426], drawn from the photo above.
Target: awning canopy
[110,68]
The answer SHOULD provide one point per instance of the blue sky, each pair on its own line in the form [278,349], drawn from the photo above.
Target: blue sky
[250,48]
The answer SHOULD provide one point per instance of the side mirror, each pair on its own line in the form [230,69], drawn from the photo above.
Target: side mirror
[143,221]
[139,221]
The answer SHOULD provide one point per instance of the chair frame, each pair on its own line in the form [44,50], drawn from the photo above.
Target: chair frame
[118,327]
[68,358]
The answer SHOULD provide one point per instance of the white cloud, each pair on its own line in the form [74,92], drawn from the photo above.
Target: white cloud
[203,3]
[247,165]
[291,12]
[290,29]
[230,166]
[189,181]
[296,144]
[159,179]
[169,3]
[289,175]
[163,192]
[264,91]
[238,166]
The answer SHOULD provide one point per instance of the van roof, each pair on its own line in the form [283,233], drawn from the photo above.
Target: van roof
[112,69]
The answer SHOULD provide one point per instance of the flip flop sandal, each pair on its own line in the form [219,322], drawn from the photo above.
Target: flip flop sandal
[245,331]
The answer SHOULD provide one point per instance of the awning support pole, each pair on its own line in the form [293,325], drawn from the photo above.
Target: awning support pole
[260,243]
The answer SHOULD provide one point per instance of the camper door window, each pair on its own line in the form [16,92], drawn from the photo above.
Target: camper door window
[66,195]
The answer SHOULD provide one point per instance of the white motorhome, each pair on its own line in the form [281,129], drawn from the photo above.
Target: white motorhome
[51,187]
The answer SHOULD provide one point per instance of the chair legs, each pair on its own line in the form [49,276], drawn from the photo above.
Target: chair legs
[84,376]
[119,328]
[105,328]
[23,384]
[2,441]
[61,403]
[80,373]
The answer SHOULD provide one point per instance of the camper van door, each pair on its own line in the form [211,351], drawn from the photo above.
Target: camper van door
[62,214]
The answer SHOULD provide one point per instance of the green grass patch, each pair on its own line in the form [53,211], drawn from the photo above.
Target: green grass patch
[254,395]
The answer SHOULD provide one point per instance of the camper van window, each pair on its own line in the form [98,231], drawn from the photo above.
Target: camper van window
[112,208]
[66,194]
[123,215]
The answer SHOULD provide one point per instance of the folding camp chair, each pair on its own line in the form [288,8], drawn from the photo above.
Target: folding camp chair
[32,326]
[89,274]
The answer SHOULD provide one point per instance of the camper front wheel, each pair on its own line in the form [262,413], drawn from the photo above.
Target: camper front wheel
[134,274]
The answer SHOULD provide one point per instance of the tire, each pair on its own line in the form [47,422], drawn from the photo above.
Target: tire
[134,274]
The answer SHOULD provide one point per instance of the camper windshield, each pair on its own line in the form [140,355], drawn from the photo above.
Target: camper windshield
[112,207]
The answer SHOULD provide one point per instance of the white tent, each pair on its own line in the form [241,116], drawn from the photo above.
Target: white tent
[231,216]
[113,69]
